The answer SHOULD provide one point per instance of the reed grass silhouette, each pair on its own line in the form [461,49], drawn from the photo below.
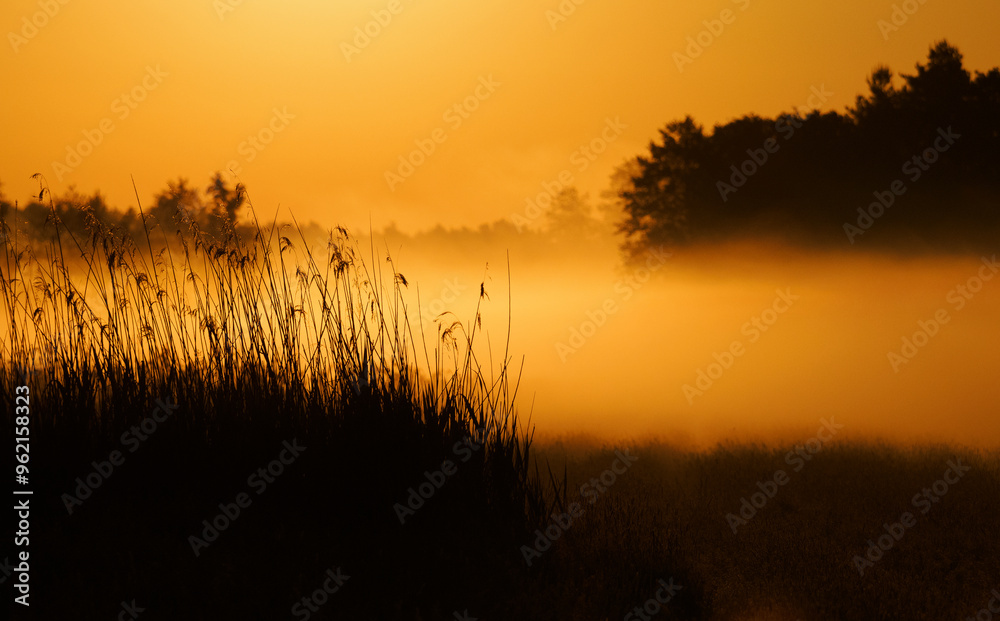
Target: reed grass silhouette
[258,340]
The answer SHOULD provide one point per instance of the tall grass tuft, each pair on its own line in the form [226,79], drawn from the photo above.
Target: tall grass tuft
[258,338]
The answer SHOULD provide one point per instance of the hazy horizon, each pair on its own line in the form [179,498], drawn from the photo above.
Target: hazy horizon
[827,356]
[616,351]
[355,114]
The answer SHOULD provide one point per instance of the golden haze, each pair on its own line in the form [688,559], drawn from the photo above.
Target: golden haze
[345,123]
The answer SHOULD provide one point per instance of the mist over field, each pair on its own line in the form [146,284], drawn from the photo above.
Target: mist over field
[621,374]
[753,339]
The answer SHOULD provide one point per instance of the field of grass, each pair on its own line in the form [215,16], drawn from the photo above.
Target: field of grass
[224,427]
[795,557]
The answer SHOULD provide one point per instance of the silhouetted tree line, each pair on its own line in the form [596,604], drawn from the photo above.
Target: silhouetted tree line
[180,207]
[215,213]
[827,178]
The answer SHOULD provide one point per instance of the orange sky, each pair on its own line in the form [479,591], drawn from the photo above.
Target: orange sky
[210,75]
[179,89]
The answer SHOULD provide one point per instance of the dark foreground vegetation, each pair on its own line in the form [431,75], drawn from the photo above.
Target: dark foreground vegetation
[220,426]
[797,555]
[228,430]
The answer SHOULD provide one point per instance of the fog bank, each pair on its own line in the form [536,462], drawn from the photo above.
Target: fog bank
[740,341]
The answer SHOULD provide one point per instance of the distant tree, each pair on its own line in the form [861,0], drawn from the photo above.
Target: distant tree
[882,98]
[227,201]
[658,206]
[821,168]
[571,217]
[179,206]
[611,207]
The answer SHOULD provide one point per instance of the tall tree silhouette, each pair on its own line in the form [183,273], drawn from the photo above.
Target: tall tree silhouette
[802,177]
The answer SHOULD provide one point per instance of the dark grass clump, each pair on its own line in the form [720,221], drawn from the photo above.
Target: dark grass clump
[259,343]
